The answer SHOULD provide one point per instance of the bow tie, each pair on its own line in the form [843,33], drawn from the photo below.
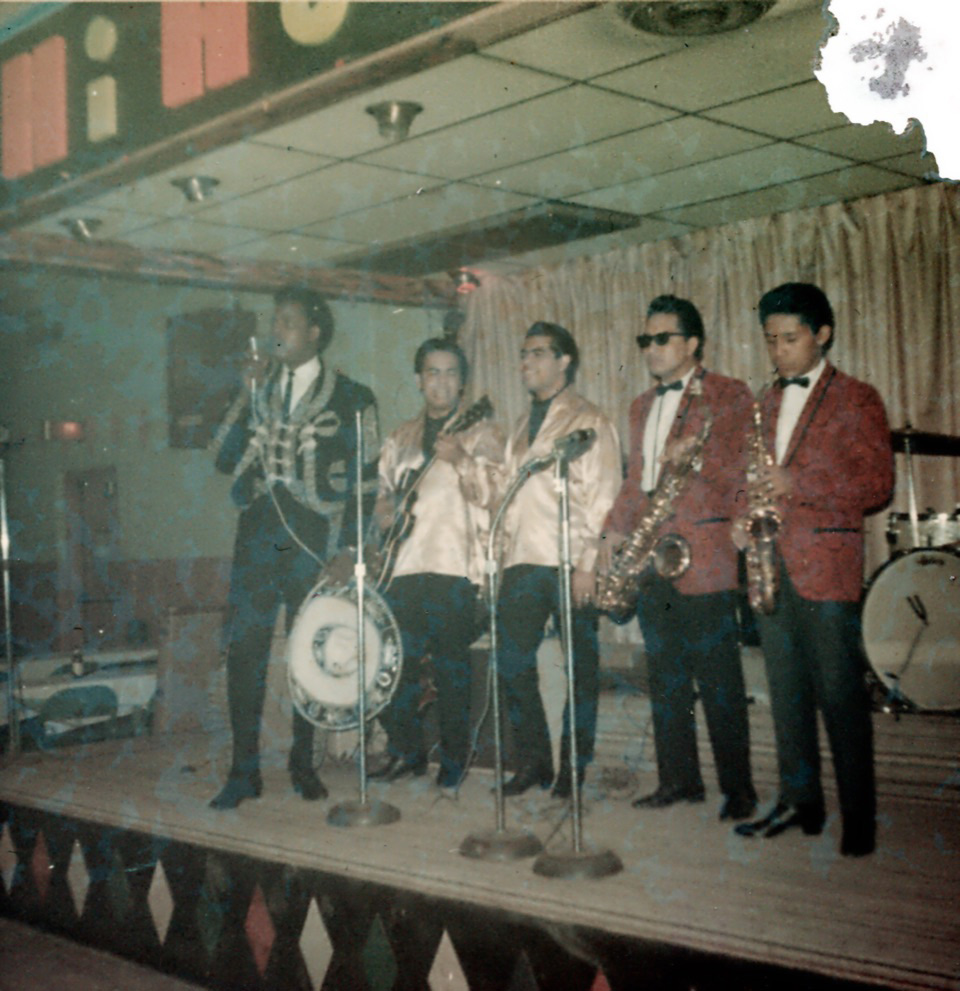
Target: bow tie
[662,390]
[802,380]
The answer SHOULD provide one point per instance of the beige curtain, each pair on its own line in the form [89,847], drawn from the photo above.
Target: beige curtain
[889,264]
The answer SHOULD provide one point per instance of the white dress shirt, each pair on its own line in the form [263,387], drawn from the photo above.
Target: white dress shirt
[791,406]
[657,428]
[303,377]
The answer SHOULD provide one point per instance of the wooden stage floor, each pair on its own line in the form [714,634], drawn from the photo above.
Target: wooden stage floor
[688,886]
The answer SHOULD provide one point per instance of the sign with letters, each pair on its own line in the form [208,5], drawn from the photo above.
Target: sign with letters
[95,81]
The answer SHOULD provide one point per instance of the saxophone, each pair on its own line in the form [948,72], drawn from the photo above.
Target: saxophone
[619,588]
[761,524]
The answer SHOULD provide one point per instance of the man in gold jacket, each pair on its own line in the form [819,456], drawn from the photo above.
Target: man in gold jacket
[529,592]
[433,585]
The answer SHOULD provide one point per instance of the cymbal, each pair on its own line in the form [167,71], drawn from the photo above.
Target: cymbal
[924,442]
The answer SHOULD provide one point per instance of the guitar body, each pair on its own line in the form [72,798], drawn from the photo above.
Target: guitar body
[403,521]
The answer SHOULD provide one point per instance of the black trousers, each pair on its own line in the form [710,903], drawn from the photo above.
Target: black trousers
[693,639]
[269,570]
[814,661]
[529,595]
[435,614]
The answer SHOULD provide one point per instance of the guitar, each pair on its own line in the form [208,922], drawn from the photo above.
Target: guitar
[403,519]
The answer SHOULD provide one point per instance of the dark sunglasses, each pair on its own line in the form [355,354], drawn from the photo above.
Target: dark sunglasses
[645,340]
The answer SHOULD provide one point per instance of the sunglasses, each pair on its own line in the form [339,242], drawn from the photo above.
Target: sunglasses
[645,340]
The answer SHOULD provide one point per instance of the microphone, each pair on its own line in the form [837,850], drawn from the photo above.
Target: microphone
[570,447]
[566,448]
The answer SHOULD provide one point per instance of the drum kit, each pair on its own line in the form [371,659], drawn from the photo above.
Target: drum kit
[911,610]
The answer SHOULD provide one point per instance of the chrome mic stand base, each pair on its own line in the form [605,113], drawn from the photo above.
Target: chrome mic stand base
[578,864]
[500,845]
[348,814]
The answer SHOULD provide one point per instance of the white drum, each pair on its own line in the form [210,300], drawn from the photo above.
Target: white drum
[322,656]
[911,627]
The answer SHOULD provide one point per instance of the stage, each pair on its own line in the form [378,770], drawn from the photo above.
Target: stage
[113,844]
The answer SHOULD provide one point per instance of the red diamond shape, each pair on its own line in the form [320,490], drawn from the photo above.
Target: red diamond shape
[41,866]
[600,982]
[260,930]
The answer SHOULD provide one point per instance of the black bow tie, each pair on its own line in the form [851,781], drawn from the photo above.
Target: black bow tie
[662,390]
[802,380]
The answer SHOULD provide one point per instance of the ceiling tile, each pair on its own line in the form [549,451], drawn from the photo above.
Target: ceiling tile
[920,166]
[866,142]
[559,121]
[317,196]
[624,158]
[584,45]
[452,92]
[113,223]
[239,169]
[735,174]
[292,248]
[431,210]
[650,229]
[846,184]
[190,235]
[784,113]
[732,66]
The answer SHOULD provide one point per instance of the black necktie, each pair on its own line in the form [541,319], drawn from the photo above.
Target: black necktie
[288,394]
[802,380]
[662,389]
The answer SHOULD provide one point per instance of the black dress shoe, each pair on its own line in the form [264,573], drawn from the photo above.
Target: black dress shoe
[526,778]
[450,778]
[858,842]
[237,788]
[400,767]
[563,787]
[663,797]
[307,784]
[738,805]
[785,816]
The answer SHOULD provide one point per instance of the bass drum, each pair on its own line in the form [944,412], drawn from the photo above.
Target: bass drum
[911,627]
[322,655]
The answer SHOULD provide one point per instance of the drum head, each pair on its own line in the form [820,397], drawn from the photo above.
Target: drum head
[911,627]
[322,656]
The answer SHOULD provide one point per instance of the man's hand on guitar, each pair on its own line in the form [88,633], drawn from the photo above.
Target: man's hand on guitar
[383,512]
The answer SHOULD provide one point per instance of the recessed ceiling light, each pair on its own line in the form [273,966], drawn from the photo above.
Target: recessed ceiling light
[81,228]
[394,117]
[196,188]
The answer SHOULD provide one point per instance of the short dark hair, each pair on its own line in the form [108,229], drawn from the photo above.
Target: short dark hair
[442,344]
[562,342]
[315,307]
[688,317]
[807,302]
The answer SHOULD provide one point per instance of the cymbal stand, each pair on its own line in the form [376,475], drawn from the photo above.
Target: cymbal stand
[911,488]
[499,844]
[578,862]
[362,812]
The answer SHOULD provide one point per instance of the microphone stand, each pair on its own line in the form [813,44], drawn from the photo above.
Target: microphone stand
[578,862]
[13,674]
[500,844]
[362,812]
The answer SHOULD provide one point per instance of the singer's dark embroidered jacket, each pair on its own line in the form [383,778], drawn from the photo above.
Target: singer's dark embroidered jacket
[309,458]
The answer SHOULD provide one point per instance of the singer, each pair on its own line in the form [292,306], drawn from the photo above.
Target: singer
[560,423]
[289,440]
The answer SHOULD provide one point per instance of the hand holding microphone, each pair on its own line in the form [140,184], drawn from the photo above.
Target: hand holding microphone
[257,368]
